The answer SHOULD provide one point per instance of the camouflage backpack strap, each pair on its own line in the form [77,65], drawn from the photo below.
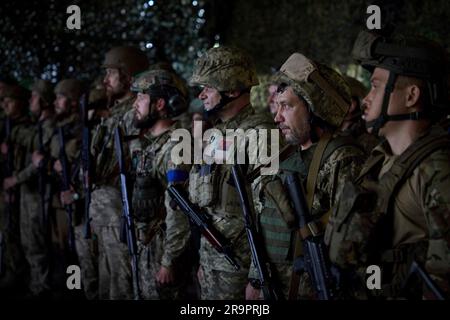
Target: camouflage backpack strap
[310,186]
[397,261]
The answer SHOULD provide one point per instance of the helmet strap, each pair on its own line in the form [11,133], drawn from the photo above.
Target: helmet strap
[378,123]
[224,100]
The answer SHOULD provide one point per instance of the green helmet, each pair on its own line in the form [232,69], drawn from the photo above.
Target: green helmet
[130,60]
[224,69]
[325,91]
[165,84]
[70,88]
[45,89]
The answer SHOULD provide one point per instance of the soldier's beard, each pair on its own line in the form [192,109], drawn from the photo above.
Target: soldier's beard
[147,122]
[115,94]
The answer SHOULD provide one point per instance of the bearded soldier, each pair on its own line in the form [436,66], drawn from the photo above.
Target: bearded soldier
[121,64]
[162,233]
[312,100]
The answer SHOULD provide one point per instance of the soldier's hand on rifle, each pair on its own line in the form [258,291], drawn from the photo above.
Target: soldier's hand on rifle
[164,276]
[37,158]
[57,167]
[68,197]
[4,148]
[9,182]
[252,293]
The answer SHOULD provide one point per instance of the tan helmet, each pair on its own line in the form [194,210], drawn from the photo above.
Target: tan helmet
[224,69]
[357,88]
[165,84]
[70,88]
[45,89]
[130,60]
[325,91]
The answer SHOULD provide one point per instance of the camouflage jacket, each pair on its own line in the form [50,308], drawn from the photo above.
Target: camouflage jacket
[48,131]
[408,223]
[102,145]
[155,171]
[19,141]
[209,187]
[275,214]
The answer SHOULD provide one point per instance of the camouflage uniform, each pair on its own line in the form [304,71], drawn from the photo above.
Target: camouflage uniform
[397,211]
[224,69]
[169,231]
[114,268]
[106,210]
[341,161]
[162,233]
[14,264]
[33,231]
[72,135]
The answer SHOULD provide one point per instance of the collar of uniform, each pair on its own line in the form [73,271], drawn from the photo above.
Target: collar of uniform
[122,106]
[385,149]
[162,138]
[235,121]
[71,118]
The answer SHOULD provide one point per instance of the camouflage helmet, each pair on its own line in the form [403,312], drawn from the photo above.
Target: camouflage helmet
[70,88]
[357,88]
[324,90]
[165,84]
[224,69]
[45,90]
[130,60]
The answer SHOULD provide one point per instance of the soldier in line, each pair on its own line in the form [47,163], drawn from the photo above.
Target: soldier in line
[396,214]
[353,124]
[121,64]
[309,115]
[34,224]
[13,151]
[162,233]
[226,74]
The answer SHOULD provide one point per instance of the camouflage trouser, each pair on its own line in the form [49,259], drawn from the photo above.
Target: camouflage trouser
[34,238]
[114,267]
[223,285]
[14,265]
[149,264]
[87,250]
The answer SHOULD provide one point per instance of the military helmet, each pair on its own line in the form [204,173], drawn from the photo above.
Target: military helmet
[165,84]
[70,88]
[414,57]
[224,69]
[17,92]
[129,60]
[45,90]
[324,90]
[357,88]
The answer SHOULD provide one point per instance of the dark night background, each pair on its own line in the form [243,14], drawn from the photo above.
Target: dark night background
[34,40]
